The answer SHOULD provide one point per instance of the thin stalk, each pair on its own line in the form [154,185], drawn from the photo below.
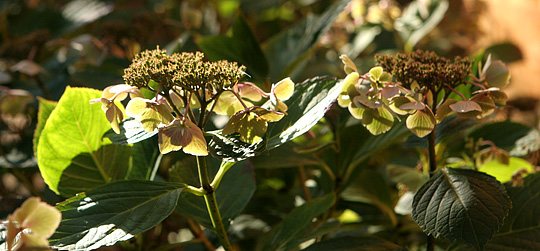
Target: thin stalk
[303,179]
[211,203]
[197,231]
[432,156]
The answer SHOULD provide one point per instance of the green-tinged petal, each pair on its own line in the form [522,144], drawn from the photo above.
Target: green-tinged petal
[444,110]
[234,123]
[136,107]
[422,122]
[414,105]
[228,104]
[284,89]
[397,102]
[249,91]
[40,217]
[267,115]
[31,241]
[376,73]
[497,74]
[349,66]
[252,129]
[349,81]
[170,138]
[381,121]
[486,103]
[355,111]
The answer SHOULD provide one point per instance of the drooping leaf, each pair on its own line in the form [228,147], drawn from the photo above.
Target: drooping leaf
[521,228]
[45,109]
[241,47]
[296,223]
[71,155]
[461,205]
[232,195]
[288,49]
[358,243]
[113,212]
[307,106]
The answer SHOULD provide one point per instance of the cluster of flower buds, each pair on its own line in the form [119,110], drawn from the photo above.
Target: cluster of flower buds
[419,85]
[166,89]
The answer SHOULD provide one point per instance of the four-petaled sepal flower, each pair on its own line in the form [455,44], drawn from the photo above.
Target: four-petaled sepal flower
[151,113]
[183,134]
[251,123]
[108,97]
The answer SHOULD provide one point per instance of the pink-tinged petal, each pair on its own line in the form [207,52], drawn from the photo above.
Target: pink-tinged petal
[390,91]
[31,241]
[12,231]
[136,107]
[413,106]
[170,138]
[465,106]
[249,91]
[40,217]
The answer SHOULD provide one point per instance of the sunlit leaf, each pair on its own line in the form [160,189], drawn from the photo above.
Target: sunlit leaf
[45,109]
[503,172]
[71,154]
[114,212]
[460,205]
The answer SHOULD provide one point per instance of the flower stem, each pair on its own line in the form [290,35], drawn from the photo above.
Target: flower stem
[432,156]
[211,203]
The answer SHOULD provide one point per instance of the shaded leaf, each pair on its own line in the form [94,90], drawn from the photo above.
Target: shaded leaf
[231,149]
[113,212]
[241,47]
[521,228]
[308,104]
[296,223]
[288,49]
[71,155]
[143,158]
[461,205]
[503,134]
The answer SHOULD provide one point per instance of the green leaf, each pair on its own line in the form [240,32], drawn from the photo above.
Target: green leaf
[288,49]
[358,243]
[143,158]
[503,172]
[114,212]
[527,144]
[241,47]
[297,222]
[308,104]
[284,156]
[45,109]
[131,131]
[450,126]
[233,194]
[71,155]
[461,205]
[503,134]
[522,226]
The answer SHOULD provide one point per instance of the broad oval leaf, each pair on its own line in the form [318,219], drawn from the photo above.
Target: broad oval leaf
[72,156]
[114,212]
[461,205]
[230,148]
[308,104]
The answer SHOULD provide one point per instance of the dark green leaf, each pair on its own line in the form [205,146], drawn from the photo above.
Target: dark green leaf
[506,52]
[289,48]
[450,126]
[461,205]
[357,243]
[233,194]
[241,47]
[296,223]
[131,131]
[504,134]
[284,156]
[114,212]
[143,157]
[71,155]
[521,229]
[308,104]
